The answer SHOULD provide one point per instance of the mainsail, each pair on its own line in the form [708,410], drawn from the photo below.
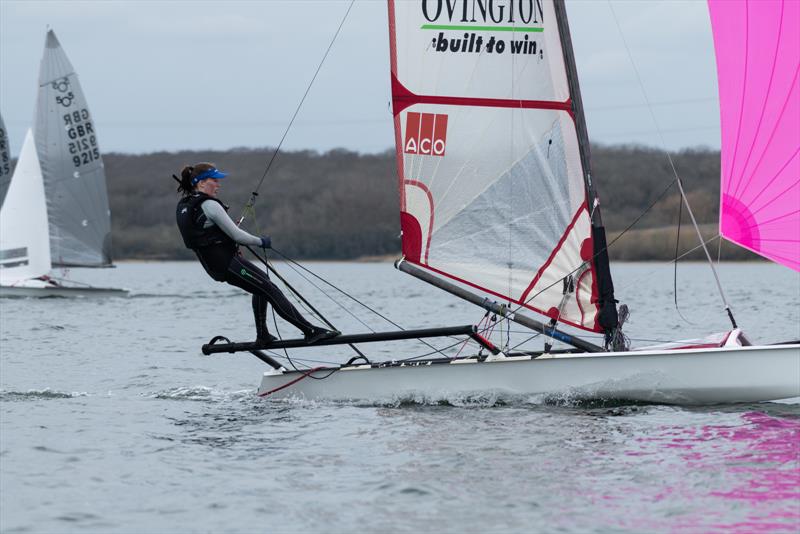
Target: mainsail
[758,62]
[495,186]
[5,161]
[74,178]
[24,244]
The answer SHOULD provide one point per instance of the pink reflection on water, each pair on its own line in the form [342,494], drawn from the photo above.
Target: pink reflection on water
[753,468]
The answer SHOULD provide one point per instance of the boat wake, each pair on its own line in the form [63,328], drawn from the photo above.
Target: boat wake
[38,394]
[202,394]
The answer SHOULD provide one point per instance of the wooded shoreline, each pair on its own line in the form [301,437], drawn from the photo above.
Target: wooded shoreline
[342,205]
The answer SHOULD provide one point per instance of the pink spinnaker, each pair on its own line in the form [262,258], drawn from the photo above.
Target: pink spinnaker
[758,61]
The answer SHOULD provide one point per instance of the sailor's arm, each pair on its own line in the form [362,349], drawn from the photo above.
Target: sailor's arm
[217,214]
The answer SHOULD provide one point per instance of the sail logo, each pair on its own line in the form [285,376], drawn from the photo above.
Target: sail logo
[472,11]
[426,134]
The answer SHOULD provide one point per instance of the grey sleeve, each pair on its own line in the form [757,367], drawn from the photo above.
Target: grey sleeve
[216,214]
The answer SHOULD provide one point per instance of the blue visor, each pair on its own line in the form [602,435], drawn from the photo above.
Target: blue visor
[210,173]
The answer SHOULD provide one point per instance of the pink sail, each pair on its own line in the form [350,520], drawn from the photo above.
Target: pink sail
[758,61]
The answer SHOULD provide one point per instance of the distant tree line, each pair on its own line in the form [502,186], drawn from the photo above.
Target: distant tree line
[344,205]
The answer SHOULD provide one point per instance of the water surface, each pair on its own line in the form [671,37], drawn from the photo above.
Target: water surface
[112,421]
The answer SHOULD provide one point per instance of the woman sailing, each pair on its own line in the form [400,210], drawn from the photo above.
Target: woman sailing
[207,229]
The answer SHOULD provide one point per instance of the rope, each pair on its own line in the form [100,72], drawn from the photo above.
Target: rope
[674,171]
[608,246]
[675,270]
[303,374]
[348,295]
[254,194]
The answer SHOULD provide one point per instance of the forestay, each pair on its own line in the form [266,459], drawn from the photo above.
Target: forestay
[24,244]
[494,186]
[758,62]
[75,183]
[5,161]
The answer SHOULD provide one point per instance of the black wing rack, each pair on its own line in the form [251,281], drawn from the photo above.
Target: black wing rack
[468,330]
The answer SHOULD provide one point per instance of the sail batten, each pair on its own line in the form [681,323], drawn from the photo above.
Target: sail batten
[72,166]
[493,178]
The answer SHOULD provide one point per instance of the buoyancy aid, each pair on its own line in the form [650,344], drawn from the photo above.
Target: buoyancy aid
[213,247]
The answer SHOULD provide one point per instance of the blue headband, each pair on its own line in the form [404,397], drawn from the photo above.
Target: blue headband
[210,173]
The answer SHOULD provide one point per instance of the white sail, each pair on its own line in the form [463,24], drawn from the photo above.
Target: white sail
[493,182]
[74,177]
[24,238]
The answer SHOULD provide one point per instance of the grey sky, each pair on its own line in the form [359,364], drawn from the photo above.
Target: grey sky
[170,75]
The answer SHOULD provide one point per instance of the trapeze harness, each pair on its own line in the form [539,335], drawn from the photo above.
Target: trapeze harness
[219,255]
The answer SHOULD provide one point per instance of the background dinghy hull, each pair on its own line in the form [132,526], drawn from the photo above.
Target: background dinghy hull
[686,377]
[64,292]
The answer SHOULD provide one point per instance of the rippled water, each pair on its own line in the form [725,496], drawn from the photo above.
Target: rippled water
[112,421]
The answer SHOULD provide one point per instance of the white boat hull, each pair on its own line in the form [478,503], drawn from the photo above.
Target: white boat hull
[63,292]
[687,377]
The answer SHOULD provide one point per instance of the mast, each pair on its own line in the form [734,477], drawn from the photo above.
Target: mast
[608,318]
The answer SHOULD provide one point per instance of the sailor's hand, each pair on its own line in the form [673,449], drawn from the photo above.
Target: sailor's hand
[266,241]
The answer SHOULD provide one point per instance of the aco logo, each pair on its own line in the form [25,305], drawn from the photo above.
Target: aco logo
[426,133]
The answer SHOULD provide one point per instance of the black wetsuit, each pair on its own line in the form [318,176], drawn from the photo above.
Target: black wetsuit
[219,255]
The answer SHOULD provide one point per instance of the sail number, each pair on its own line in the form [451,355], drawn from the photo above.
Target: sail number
[83,144]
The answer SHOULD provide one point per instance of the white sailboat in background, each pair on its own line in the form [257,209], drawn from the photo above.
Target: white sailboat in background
[66,160]
[497,196]
[24,237]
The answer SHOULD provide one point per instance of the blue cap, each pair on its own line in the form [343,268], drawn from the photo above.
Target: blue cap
[210,173]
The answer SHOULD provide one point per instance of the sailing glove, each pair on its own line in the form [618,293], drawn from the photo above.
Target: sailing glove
[266,241]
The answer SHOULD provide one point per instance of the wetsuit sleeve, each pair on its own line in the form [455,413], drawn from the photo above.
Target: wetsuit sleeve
[216,214]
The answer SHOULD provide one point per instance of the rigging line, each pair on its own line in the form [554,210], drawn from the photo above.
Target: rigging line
[440,351]
[528,340]
[289,286]
[480,331]
[674,170]
[631,225]
[306,371]
[254,194]
[343,292]
[317,313]
[687,253]
[675,266]
[342,306]
[75,282]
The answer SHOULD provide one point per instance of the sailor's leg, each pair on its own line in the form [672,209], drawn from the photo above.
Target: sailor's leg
[247,276]
[260,316]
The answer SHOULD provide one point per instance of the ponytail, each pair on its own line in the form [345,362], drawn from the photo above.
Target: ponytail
[185,186]
[188,173]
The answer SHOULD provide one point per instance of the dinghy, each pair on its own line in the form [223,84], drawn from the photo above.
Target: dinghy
[499,207]
[25,261]
[66,160]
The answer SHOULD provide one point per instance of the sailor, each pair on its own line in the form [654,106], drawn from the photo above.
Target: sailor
[207,229]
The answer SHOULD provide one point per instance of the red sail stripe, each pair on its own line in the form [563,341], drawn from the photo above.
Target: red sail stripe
[554,252]
[403,98]
[430,222]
